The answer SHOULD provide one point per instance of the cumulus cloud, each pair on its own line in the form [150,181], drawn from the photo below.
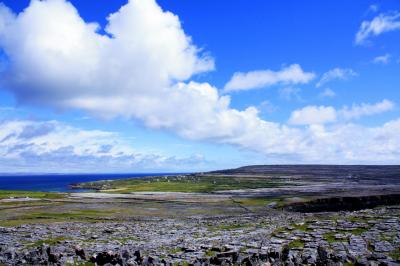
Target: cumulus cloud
[351,143]
[27,145]
[311,115]
[359,110]
[382,23]
[336,74]
[59,59]
[141,69]
[327,93]
[383,59]
[292,74]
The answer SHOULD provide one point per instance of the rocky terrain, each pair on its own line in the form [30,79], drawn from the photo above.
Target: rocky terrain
[368,237]
[314,220]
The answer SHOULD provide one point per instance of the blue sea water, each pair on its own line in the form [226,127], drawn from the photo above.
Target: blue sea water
[59,182]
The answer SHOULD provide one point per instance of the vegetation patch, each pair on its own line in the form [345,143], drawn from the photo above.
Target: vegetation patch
[50,241]
[174,250]
[182,183]
[359,231]
[51,217]
[302,227]
[74,214]
[357,219]
[256,201]
[330,237]
[395,254]
[7,194]
[210,253]
[296,244]
[124,240]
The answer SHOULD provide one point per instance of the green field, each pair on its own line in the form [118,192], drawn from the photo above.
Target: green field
[7,194]
[186,183]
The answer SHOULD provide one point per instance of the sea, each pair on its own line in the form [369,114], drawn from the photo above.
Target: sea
[60,182]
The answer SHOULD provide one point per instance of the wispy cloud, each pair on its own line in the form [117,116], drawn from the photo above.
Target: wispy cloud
[336,74]
[267,107]
[290,93]
[358,110]
[373,8]
[290,75]
[310,115]
[27,145]
[327,93]
[382,23]
[383,59]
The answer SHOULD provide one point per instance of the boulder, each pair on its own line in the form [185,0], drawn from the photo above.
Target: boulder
[80,252]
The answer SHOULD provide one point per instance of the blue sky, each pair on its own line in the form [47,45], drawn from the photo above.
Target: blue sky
[197,85]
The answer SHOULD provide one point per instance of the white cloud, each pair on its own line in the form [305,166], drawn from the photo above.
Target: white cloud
[27,145]
[311,115]
[378,25]
[383,59]
[357,111]
[292,74]
[336,74]
[141,70]
[327,93]
[59,59]
[267,107]
[290,93]
[373,8]
[350,143]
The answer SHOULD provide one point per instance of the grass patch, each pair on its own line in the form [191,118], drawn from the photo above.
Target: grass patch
[75,214]
[358,231]
[51,217]
[330,237]
[182,183]
[296,244]
[355,219]
[255,201]
[210,253]
[174,250]
[278,231]
[31,203]
[124,240]
[302,227]
[395,254]
[6,194]
[50,241]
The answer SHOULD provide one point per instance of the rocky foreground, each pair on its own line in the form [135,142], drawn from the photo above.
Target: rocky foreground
[256,215]
[367,237]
